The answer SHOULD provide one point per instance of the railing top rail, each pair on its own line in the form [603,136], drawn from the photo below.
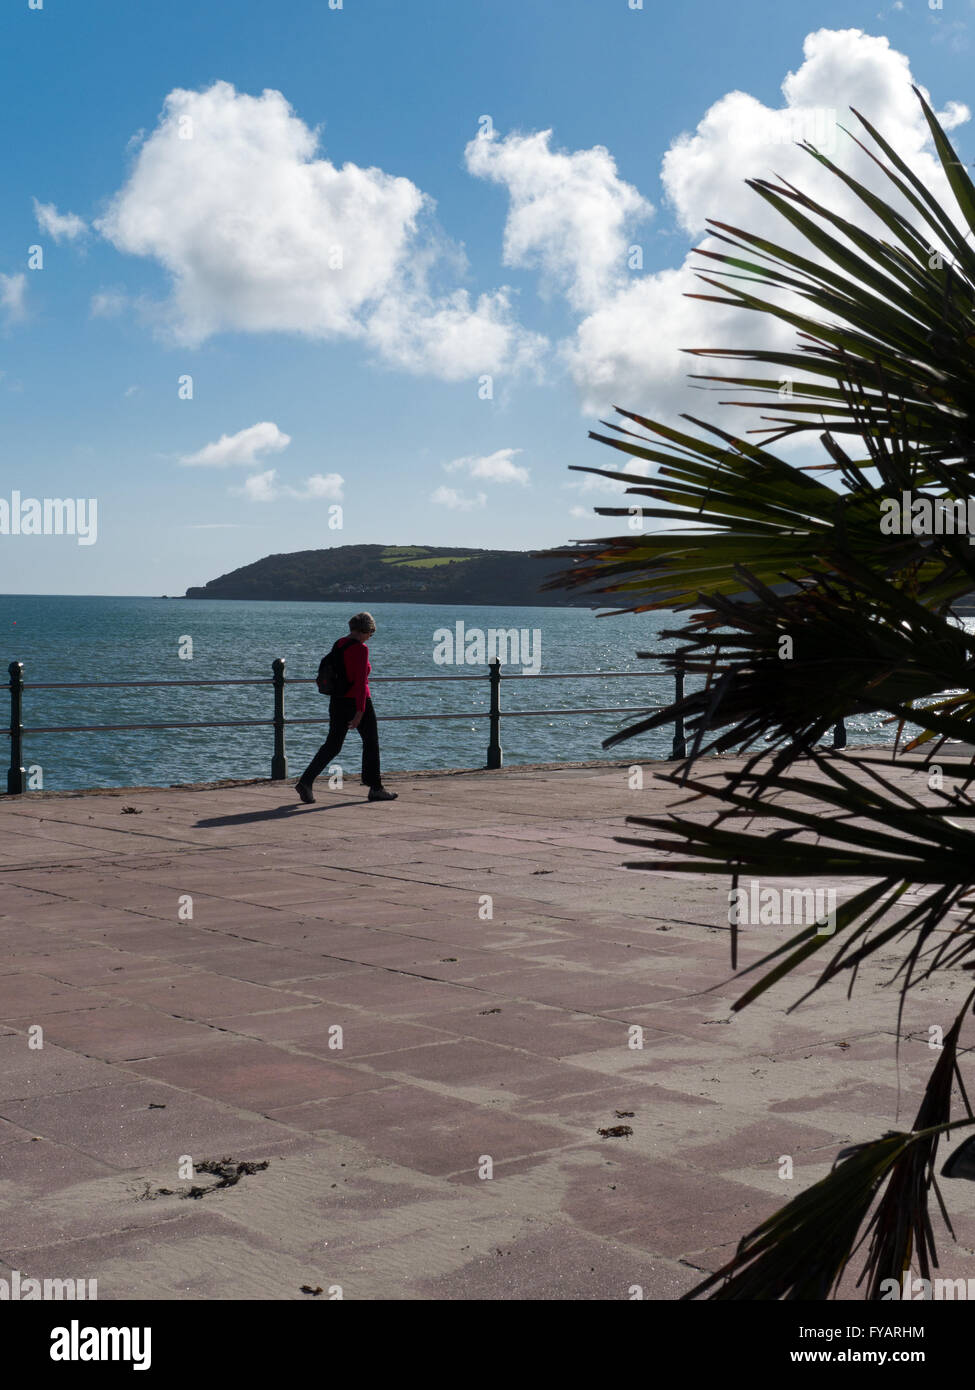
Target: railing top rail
[310,680]
[580,675]
[320,719]
[109,685]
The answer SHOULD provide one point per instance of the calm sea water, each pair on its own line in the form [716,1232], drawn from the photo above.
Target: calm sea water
[83,639]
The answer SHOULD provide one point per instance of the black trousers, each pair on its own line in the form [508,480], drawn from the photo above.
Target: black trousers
[340,711]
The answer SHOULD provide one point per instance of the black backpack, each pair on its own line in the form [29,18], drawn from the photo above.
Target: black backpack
[332,677]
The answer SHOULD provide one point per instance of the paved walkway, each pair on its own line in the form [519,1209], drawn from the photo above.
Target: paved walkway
[195,956]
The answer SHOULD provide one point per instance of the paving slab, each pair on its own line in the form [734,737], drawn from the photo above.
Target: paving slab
[508,995]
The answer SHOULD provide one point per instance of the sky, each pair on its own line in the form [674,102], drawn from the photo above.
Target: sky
[278,275]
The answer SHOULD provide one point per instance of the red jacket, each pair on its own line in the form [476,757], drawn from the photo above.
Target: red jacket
[357,668]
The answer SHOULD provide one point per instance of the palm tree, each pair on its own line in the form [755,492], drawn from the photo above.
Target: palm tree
[775,562]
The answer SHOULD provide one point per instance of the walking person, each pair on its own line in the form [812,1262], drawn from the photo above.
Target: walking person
[350,709]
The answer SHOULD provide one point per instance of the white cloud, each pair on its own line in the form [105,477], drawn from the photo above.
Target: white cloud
[327,251]
[585,483]
[449,339]
[131,391]
[58,225]
[107,304]
[496,468]
[569,214]
[264,487]
[627,351]
[260,488]
[328,485]
[242,448]
[457,501]
[13,289]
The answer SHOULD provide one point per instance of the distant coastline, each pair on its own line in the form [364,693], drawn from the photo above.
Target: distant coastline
[366,574]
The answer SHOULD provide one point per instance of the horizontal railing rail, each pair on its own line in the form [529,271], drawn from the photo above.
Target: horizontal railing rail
[16,773]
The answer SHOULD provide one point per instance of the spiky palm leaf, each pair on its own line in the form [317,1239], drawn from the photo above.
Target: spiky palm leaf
[808,610]
[803,1250]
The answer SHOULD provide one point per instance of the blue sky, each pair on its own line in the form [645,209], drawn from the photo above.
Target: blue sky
[361,384]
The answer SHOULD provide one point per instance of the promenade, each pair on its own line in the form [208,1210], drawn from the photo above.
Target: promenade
[191,1128]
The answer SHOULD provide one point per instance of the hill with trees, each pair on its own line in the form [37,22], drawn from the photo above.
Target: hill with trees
[364,574]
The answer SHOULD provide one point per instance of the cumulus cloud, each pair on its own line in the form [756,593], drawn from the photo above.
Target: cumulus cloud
[627,351]
[568,215]
[260,233]
[328,485]
[60,226]
[107,304]
[592,482]
[264,487]
[498,467]
[457,501]
[242,448]
[450,339]
[260,488]
[13,289]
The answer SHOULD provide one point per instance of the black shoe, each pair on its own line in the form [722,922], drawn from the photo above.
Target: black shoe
[381,794]
[305,793]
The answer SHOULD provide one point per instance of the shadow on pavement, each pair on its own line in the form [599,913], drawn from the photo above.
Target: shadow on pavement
[278,813]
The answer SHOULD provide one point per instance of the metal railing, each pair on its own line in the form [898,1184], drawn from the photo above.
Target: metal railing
[16,772]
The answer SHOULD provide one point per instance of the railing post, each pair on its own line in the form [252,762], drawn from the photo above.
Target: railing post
[680,744]
[279,762]
[494,744]
[16,773]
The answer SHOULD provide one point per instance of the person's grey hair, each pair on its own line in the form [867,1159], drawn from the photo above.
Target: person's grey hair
[362,622]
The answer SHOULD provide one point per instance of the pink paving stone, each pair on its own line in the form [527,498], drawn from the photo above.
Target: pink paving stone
[419,1129]
[334,941]
[762,1143]
[577,989]
[543,1029]
[260,964]
[388,993]
[205,996]
[125,1032]
[362,1035]
[858,1099]
[90,965]
[120,1124]
[151,937]
[555,1265]
[597,1108]
[259,1076]
[466,1063]
[10,1133]
[24,995]
[48,1070]
[660,1205]
[145,1263]
[38,1166]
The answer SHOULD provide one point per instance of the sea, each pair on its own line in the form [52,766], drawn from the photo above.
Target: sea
[76,640]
